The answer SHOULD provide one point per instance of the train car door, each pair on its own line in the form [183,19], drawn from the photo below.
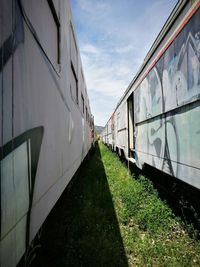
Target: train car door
[113,129]
[130,116]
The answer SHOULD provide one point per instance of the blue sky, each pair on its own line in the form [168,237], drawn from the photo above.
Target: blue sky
[114,37]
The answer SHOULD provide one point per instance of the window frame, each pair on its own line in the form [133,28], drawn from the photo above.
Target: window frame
[57,22]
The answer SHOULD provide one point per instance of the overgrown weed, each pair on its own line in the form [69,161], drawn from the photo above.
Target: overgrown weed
[152,235]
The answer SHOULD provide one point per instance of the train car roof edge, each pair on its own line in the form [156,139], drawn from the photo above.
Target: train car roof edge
[166,27]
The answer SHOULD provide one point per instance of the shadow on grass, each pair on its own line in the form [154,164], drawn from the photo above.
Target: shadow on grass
[82,229]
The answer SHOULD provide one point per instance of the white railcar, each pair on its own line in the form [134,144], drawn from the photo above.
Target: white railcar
[157,120]
[46,125]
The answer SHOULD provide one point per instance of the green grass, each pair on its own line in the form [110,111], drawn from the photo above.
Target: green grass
[109,218]
[151,234]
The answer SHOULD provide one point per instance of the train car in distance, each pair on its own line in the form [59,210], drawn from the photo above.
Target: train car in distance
[46,125]
[157,120]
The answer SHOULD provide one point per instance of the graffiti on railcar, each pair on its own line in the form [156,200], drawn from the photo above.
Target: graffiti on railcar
[167,107]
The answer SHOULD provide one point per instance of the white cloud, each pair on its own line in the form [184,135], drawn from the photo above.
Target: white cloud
[111,79]
[124,49]
[89,49]
[92,6]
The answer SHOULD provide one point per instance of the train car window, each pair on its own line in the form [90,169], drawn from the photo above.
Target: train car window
[159,70]
[73,49]
[155,93]
[179,42]
[118,121]
[42,16]
[74,85]
[136,104]
[193,57]
[54,12]
[142,101]
[86,113]
[90,122]
[168,78]
[159,67]
[180,78]
[82,103]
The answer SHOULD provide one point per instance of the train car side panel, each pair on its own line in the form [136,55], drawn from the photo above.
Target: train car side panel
[167,108]
[45,129]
